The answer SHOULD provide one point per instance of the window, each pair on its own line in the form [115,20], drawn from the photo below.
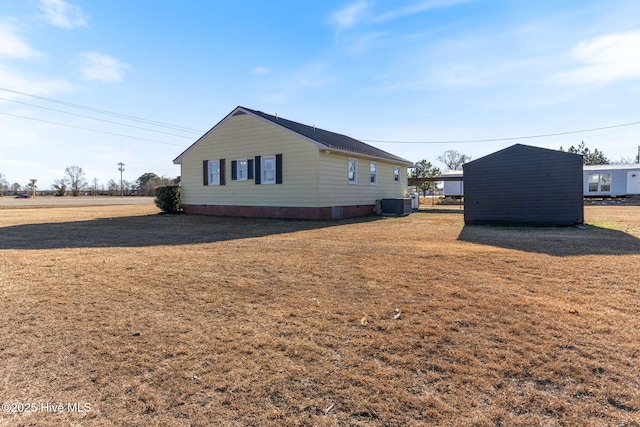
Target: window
[599,182]
[593,182]
[214,172]
[268,170]
[242,170]
[396,173]
[373,173]
[352,171]
[605,182]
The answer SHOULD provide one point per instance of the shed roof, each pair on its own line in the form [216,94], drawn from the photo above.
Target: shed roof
[323,138]
[522,148]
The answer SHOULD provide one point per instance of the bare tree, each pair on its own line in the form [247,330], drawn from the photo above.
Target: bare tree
[453,160]
[60,186]
[112,187]
[95,187]
[125,187]
[75,177]
[624,161]
[4,184]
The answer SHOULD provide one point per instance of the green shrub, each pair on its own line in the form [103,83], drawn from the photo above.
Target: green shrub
[168,199]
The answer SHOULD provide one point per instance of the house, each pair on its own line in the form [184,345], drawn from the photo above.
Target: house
[524,185]
[611,180]
[260,165]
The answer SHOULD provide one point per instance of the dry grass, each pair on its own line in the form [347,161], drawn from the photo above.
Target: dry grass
[191,321]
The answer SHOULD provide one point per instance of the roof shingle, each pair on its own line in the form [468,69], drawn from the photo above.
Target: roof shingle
[330,139]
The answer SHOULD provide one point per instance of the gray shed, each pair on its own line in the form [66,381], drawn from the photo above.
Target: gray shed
[524,185]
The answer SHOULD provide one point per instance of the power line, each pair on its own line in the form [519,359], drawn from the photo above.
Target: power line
[95,118]
[187,129]
[110,113]
[91,130]
[503,139]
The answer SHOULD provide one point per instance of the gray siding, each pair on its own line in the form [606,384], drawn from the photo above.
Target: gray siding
[524,185]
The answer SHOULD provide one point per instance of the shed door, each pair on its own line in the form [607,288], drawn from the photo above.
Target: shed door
[633,182]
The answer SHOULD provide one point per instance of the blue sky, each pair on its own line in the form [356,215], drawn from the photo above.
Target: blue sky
[403,70]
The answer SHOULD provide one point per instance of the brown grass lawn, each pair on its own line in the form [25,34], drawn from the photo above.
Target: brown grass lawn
[156,320]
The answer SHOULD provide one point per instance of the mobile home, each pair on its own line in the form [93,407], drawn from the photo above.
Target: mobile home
[611,180]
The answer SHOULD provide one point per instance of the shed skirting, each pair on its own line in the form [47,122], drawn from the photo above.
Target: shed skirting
[331,212]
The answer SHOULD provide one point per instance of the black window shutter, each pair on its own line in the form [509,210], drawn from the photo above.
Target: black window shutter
[234,170]
[278,168]
[257,165]
[205,172]
[222,172]
[250,169]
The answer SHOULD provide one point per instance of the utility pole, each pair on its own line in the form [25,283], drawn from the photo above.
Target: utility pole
[121,169]
[638,158]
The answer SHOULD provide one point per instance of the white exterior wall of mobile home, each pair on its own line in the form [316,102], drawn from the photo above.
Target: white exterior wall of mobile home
[611,180]
[623,180]
[453,188]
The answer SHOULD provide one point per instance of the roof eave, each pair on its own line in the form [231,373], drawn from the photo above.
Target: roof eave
[398,160]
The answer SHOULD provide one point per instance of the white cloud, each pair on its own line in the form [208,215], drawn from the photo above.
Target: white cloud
[418,8]
[62,14]
[11,44]
[349,16]
[607,58]
[25,82]
[23,78]
[101,67]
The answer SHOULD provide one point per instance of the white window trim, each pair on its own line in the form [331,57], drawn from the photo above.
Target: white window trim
[211,180]
[599,182]
[263,171]
[394,174]
[355,177]
[246,171]
[375,182]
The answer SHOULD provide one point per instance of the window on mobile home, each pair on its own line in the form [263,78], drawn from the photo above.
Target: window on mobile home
[599,182]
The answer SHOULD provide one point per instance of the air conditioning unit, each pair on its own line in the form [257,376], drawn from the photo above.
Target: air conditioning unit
[400,207]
